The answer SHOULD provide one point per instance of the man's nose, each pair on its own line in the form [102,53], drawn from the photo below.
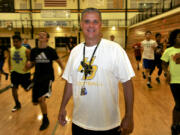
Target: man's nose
[91,24]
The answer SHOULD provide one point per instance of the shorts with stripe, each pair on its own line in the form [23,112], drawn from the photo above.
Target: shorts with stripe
[41,89]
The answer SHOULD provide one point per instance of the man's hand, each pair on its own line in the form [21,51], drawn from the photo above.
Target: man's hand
[27,66]
[168,77]
[127,126]
[62,117]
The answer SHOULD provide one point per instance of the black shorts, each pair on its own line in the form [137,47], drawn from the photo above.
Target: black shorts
[76,130]
[148,64]
[138,58]
[41,89]
[20,79]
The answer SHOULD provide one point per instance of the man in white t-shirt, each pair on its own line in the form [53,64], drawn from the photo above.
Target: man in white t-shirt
[148,46]
[92,74]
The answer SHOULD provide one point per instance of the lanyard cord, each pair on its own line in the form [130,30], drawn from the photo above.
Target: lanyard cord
[91,56]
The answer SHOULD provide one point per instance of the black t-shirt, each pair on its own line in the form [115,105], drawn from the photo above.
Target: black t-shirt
[159,49]
[2,50]
[43,58]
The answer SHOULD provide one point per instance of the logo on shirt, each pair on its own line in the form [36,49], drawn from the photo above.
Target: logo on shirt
[94,69]
[17,58]
[176,58]
[41,58]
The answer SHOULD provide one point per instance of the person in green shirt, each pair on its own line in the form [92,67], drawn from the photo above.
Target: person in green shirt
[171,59]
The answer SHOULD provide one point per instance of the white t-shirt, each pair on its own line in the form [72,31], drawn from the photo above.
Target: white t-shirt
[148,52]
[99,109]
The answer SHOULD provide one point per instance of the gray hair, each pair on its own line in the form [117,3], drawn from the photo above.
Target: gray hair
[87,10]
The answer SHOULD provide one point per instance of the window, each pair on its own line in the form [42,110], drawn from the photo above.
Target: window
[63,41]
[6,6]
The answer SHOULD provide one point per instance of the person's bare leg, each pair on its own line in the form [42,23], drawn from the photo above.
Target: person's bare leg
[148,77]
[15,97]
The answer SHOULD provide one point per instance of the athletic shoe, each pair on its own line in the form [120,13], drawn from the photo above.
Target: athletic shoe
[16,107]
[157,79]
[45,124]
[11,85]
[149,85]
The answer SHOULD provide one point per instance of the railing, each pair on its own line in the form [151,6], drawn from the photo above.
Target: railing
[155,9]
[10,24]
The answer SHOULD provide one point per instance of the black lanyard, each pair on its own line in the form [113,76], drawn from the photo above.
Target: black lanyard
[84,64]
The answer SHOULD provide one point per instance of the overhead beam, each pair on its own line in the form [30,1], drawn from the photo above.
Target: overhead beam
[77,11]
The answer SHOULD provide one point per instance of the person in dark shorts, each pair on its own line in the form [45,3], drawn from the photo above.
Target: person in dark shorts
[171,66]
[137,53]
[157,55]
[18,57]
[42,57]
[148,45]
[3,49]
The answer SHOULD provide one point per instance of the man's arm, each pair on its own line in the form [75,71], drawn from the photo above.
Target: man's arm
[28,54]
[60,64]
[29,64]
[9,61]
[6,53]
[66,96]
[142,47]
[165,68]
[154,46]
[127,124]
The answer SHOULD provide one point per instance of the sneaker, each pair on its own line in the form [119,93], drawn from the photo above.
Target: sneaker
[143,75]
[158,80]
[45,124]
[11,85]
[16,107]
[149,85]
